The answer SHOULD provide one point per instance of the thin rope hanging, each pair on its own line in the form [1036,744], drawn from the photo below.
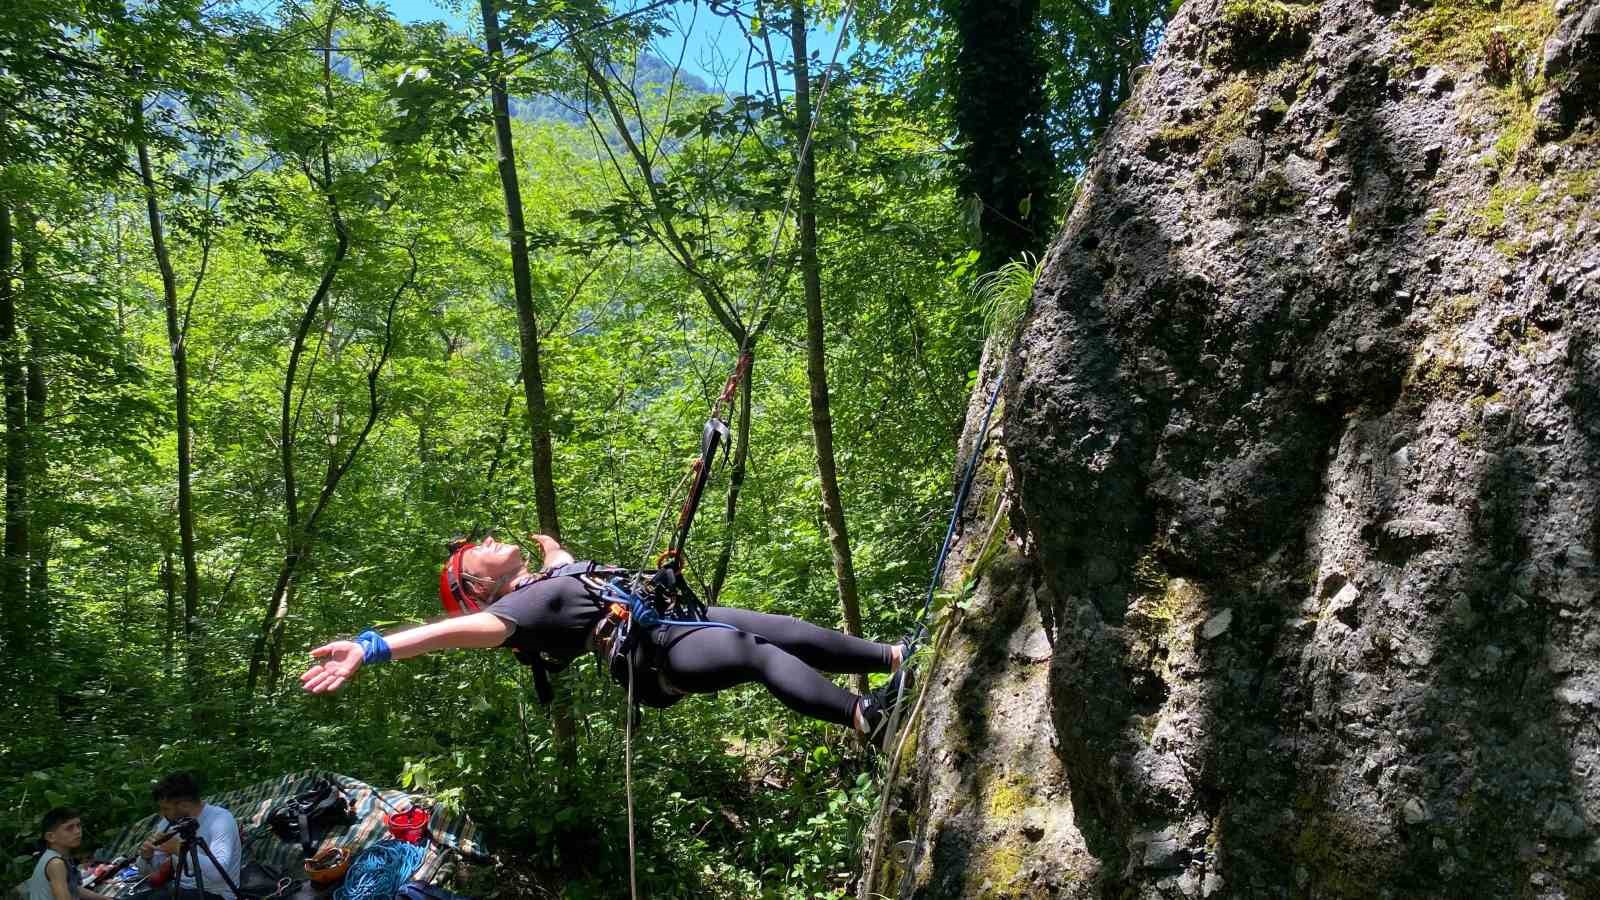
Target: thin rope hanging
[794,178]
[627,774]
[961,503]
[741,368]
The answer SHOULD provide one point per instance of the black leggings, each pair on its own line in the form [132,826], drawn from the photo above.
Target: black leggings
[782,653]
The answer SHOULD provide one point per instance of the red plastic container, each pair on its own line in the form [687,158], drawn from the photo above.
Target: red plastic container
[162,875]
[408,825]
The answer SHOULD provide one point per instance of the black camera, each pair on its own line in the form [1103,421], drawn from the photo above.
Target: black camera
[187,858]
[185,828]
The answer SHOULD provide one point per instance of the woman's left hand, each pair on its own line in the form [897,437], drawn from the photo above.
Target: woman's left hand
[340,660]
[551,552]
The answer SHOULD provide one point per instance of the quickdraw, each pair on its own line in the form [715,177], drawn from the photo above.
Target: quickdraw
[712,435]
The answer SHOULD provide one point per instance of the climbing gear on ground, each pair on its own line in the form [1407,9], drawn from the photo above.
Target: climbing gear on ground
[328,866]
[409,825]
[260,881]
[308,816]
[378,871]
[879,705]
[421,890]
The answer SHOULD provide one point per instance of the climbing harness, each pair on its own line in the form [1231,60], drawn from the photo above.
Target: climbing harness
[631,604]
[634,608]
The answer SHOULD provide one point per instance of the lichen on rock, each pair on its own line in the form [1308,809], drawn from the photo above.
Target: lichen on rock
[1303,442]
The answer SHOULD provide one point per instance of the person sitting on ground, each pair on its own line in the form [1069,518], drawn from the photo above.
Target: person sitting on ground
[177,797]
[56,875]
[553,615]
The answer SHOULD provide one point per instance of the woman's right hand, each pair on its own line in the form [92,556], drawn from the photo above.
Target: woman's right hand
[340,660]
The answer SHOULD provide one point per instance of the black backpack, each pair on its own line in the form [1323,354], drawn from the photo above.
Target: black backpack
[308,816]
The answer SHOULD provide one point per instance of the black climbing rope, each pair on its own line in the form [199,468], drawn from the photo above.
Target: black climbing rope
[894,740]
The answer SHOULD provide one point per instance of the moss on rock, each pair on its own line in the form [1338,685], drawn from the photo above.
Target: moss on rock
[1263,29]
[1009,798]
[999,869]
[1456,33]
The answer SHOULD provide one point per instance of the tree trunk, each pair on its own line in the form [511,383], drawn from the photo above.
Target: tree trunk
[169,590]
[14,564]
[38,519]
[522,281]
[816,357]
[180,373]
[1000,113]
[39,525]
[122,311]
[491,494]
[563,728]
[297,538]
[275,644]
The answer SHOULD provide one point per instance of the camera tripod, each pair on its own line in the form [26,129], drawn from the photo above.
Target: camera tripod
[187,859]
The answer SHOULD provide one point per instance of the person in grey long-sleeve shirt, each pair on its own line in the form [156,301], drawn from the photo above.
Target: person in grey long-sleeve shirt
[178,797]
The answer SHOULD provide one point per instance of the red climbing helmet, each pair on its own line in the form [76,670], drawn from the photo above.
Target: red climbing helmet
[453,592]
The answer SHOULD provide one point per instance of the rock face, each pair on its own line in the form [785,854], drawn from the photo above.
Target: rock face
[1303,437]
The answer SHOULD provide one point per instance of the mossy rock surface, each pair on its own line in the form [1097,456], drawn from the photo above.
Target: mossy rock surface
[1304,462]
[1257,31]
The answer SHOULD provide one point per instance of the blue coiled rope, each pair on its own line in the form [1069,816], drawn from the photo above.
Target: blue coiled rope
[378,871]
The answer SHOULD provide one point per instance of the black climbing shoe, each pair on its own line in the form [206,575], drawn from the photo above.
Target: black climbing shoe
[878,706]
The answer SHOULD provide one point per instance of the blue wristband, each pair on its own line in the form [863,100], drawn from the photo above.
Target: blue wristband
[374,649]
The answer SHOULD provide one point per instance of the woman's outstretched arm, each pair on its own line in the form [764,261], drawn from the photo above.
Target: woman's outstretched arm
[341,659]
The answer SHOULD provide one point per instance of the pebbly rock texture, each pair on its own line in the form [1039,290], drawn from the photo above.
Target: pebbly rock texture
[1302,443]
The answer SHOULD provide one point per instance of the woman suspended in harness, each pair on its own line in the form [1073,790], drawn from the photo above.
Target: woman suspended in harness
[551,616]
